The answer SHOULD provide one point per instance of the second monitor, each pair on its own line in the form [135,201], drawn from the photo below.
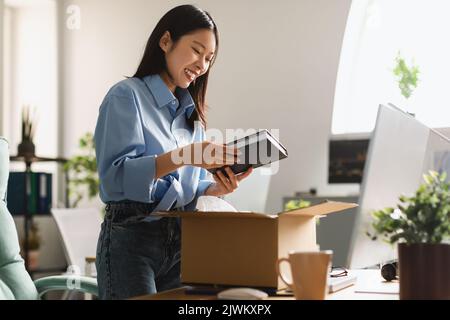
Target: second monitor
[401,150]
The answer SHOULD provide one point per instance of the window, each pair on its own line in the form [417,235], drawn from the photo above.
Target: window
[29,77]
[377,30]
[30,62]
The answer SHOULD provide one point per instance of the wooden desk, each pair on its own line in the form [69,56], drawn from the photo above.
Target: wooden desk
[368,280]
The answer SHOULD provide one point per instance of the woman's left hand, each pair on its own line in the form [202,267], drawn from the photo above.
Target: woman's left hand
[225,185]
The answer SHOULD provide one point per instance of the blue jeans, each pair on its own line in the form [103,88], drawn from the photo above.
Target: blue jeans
[136,253]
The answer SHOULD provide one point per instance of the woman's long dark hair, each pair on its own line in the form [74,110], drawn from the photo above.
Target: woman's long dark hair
[179,21]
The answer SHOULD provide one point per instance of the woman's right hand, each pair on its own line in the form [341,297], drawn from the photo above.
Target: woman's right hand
[209,155]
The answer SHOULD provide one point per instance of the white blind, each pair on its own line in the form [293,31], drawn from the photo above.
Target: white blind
[376,31]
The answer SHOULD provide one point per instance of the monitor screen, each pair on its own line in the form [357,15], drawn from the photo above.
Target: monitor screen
[346,160]
[401,150]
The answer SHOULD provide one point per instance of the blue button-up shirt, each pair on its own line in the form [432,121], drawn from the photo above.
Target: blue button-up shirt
[139,120]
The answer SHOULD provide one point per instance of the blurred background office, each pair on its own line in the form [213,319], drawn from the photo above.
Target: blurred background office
[314,69]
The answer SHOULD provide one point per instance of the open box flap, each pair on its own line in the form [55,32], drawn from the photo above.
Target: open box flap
[214,214]
[320,209]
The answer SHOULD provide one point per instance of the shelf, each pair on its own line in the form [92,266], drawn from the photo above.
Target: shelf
[28,218]
[31,214]
[36,159]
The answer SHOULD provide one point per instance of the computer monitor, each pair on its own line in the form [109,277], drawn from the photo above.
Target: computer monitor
[401,150]
[346,159]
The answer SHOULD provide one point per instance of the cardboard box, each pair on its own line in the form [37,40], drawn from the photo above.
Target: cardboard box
[241,249]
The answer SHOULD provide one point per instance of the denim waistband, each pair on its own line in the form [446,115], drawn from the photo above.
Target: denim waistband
[128,208]
[123,210]
[127,204]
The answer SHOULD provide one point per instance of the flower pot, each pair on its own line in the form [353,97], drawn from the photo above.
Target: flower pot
[33,259]
[26,148]
[424,271]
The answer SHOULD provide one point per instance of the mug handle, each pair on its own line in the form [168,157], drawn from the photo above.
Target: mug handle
[279,261]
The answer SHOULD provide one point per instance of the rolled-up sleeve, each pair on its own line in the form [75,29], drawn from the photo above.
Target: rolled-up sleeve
[203,183]
[205,178]
[123,169]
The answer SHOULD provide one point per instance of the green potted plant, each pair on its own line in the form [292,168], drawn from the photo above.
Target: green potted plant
[82,171]
[406,76]
[296,204]
[420,225]
[26,147]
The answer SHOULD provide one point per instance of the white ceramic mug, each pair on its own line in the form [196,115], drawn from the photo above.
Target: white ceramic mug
[309,273]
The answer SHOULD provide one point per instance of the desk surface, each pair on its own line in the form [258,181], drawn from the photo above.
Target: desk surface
[369,286]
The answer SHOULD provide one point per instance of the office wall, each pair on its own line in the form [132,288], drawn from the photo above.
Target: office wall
[32,73]
[276,69]
[1,67]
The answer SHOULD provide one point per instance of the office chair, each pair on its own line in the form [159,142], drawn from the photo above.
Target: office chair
[79,230]
[15,282]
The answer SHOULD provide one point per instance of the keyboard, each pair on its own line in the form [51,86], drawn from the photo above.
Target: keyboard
[339,283]
[334,284]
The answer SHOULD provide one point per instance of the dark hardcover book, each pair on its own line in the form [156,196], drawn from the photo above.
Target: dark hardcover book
[44,192]
[16,193]
[48,200]
[257,150]
[33,194]
[38,195]
[21,190]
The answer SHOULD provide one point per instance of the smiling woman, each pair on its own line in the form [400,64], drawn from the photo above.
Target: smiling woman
[181,47]
[188,59]
[145,123]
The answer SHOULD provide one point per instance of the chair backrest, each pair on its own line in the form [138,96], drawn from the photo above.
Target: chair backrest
[15,282]
[79,230]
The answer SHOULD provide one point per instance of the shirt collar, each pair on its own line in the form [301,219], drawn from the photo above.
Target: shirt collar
[164,97]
